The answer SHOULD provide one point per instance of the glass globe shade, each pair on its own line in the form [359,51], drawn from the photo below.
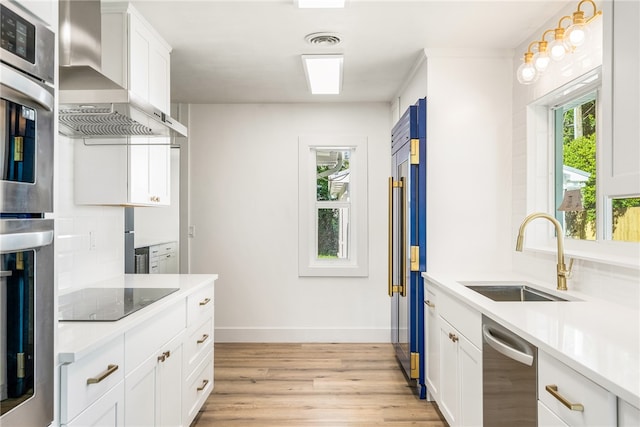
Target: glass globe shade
[557,49]
[527,73]
[541,61]
[577,34]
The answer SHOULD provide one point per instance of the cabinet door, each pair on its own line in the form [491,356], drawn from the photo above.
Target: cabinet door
[139,39]
[160,171]
[150,172]
[140,388]
[449,400]
[470,371]
[169,387]
[433,349]
[628,415]
[159,68]
[108,411]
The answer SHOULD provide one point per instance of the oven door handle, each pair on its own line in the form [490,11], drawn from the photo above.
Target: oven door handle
[23,241]
[27,87]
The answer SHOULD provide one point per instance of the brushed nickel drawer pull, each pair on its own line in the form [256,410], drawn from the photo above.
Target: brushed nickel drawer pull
[110,370]
[430,304]
[205,301]
[553,390]
[203,339]
[204,385]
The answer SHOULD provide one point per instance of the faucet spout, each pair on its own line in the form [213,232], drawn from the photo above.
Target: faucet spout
[562,271]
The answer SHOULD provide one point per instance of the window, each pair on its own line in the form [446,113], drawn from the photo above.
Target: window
[576,182]
[332,206]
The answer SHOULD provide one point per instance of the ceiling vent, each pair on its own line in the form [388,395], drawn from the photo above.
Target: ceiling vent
[323,39]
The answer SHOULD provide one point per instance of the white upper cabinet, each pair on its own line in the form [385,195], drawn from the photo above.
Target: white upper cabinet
[134,55]
[622,99]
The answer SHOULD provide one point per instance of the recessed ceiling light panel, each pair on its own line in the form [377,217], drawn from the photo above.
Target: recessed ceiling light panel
[317,4]
[324,73]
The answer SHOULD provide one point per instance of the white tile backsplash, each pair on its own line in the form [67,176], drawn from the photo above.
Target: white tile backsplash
[89,241]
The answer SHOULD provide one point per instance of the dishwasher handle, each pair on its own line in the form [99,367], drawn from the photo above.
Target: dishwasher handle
[523,355]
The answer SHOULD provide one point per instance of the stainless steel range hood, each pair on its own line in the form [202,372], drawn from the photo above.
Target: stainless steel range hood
[91,104]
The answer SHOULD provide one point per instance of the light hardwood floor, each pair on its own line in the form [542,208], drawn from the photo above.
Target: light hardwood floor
[312,385]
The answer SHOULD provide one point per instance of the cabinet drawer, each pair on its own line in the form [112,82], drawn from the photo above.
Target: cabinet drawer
[145,339]
[199,305]
[85,381]
[107,411]
[462,317]
[599,406]
[546,418]
[197,345]
[197,389]
[628,415]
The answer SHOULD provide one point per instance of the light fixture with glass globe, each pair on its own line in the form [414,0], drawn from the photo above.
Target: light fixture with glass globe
[559,46]
[527,72]
[542,59]
[565,40]
[578,31]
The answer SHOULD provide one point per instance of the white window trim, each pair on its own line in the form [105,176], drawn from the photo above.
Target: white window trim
[540,235]
[357,263]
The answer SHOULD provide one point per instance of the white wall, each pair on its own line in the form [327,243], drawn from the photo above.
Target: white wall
[89,244]
[468,157]
[617,284]
[243,163]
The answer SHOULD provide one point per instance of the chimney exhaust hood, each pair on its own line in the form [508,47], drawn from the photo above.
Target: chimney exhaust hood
[90,104]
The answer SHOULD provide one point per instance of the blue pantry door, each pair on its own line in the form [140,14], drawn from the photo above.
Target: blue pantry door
[407,240]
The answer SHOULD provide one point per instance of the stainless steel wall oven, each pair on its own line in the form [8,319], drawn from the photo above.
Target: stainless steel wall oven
[26,113]
[27,108]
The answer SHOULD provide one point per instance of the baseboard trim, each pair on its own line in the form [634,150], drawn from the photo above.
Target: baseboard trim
[302,335]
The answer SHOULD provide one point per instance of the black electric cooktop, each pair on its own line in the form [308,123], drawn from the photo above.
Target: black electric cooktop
[107,304]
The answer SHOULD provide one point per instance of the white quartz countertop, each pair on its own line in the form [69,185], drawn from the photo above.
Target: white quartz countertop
[598,339]
[76,339]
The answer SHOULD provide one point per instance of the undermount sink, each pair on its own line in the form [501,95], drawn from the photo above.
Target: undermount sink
[513,292]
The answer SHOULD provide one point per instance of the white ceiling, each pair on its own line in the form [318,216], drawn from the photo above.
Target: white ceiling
[240,51]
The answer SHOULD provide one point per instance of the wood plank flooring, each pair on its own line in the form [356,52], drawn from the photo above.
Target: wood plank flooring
[312,385]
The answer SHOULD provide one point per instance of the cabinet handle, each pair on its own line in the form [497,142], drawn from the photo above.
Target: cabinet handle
[203,339]
[110,370]
[164,356]
[203,386]
[553,390]
[205,301]
[430,304]
[453,337]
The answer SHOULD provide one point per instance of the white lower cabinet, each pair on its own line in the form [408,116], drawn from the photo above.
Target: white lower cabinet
[628,415]
[107,411]
[546,418]
[455,372]
[432,352]
[87,380]
[158,372]
[153,390]
[572,397]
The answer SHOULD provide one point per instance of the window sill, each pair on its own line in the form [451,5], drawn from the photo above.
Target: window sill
[629,259]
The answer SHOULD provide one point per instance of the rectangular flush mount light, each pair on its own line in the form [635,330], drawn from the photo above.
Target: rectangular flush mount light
[324,73]
[320,3]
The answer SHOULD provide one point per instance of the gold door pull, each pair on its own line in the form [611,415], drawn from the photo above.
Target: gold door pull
[203,386]
[205,301]
[553,390]
[110,370]
[203,339]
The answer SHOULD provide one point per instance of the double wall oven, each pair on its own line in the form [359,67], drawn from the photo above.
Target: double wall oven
[26,236]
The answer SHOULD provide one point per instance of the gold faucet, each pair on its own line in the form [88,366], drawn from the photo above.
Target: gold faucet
[563,272]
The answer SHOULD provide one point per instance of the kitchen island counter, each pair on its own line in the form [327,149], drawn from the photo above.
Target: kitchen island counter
[77,339]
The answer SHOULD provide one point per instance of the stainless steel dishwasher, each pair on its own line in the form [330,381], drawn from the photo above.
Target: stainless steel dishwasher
[509,367]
